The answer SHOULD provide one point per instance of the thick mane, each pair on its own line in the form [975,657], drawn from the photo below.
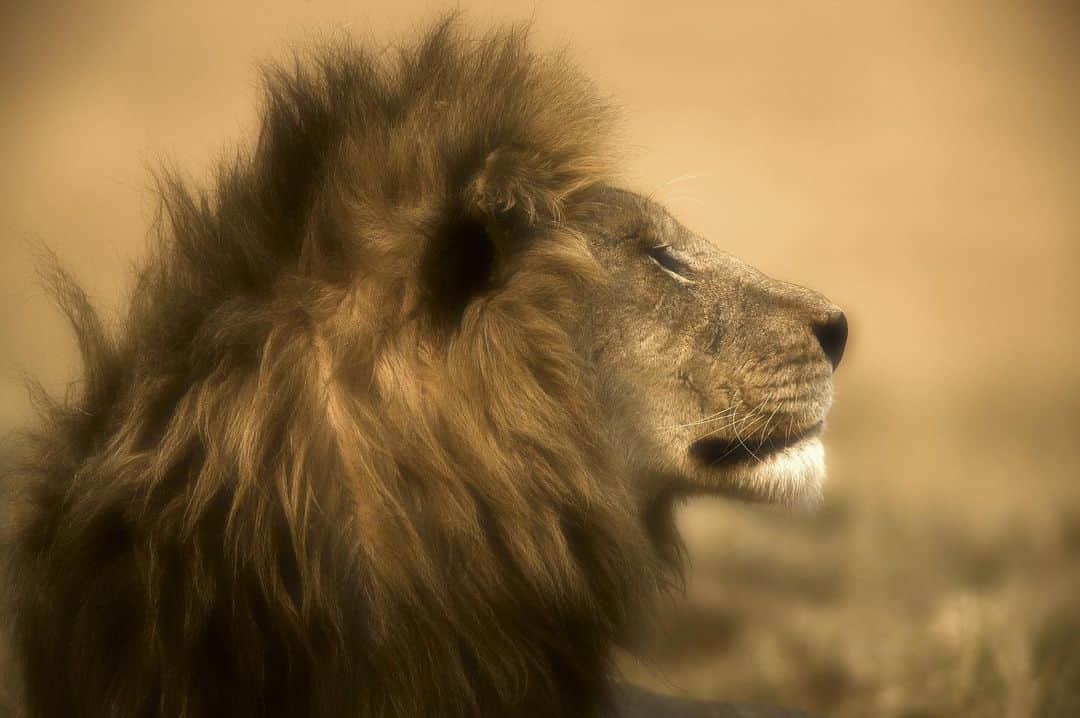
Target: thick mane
[344,456]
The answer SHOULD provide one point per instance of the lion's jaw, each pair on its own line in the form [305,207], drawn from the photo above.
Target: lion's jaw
[786,467]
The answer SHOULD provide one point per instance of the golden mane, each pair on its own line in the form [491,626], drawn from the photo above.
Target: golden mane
[325,468]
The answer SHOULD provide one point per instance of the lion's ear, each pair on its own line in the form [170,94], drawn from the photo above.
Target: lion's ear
[518,186]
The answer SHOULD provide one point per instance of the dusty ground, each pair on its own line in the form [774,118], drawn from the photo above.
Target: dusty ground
[918,162]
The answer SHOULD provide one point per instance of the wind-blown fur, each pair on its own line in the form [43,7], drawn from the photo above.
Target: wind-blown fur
[327,467]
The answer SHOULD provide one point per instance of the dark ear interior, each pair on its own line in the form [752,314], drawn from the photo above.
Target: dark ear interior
[458,266]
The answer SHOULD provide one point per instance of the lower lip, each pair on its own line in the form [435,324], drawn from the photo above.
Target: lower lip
[728,452]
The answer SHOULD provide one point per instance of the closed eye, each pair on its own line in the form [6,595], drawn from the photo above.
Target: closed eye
[661,254]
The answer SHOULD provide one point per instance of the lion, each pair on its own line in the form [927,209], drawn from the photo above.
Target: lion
[396,420]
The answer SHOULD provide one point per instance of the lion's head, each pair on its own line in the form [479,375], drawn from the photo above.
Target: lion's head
[396,409]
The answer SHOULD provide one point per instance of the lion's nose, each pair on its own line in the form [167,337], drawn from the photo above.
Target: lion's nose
[832,335]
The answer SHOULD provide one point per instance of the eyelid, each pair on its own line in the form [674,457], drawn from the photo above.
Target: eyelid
[668,261]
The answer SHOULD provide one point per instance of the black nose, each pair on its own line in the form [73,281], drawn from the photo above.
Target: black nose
[832,335]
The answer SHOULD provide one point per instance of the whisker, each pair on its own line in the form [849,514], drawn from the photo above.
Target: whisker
[747,448]
[765,429]
[685,178]
[722,414]
[734,423]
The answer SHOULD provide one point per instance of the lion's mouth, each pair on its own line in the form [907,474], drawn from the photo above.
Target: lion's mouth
[717,452]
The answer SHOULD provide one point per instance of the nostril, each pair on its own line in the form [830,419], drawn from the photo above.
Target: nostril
[832,335]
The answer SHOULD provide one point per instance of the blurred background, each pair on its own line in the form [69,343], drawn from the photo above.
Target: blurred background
[919,162]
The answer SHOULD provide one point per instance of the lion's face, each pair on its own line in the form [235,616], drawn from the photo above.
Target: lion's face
[718,377]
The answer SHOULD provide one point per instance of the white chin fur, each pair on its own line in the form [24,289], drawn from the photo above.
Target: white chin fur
[791,476]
